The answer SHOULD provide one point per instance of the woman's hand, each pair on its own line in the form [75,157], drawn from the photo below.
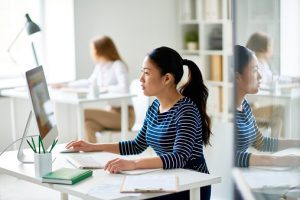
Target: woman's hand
[58,85]
[81,146]
[117,165]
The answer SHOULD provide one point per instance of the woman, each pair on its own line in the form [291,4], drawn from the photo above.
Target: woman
[247,82]
[271,115]
[111,75]
[176,124]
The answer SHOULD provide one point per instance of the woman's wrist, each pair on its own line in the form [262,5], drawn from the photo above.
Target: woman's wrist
[98,147]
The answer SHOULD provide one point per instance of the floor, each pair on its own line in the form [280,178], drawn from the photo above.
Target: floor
[13,188]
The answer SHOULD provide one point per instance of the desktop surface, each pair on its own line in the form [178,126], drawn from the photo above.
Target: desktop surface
[101,180]
[268,183]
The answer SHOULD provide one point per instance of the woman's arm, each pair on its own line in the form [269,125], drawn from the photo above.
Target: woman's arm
[278,161]
[118,164]
[285,144]
[88,147]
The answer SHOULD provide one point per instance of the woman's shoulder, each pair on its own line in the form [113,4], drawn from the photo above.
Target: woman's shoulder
[186,104]
[119,64]
[246,105]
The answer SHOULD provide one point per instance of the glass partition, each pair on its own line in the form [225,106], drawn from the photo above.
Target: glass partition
[267,99]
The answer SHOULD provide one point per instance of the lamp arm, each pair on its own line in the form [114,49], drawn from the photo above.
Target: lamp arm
[15,39]
[34,53]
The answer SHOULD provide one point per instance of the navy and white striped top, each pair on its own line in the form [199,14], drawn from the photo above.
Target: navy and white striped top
[175,136]
[248,135]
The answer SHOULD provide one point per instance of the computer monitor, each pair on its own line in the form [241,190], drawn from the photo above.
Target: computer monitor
[42,107]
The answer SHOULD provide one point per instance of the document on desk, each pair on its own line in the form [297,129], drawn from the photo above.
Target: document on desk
[149,183]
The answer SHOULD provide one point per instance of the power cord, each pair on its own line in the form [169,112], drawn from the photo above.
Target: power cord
[15,142]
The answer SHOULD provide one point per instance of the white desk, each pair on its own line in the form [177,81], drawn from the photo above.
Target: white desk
[106,184]
[286,99]
[81,103]
[270,180]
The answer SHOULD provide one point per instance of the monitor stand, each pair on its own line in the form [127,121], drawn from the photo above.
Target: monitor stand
[21,156]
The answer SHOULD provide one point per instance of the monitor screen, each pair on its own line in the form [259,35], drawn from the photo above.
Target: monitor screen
[42,106]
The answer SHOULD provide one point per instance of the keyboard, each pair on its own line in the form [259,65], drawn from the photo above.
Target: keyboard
[84,162]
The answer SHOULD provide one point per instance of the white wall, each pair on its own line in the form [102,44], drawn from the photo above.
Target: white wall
[58,32]
[136,26]
[219,158]
[290,38]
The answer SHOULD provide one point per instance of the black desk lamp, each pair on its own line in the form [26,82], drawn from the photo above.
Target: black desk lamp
[31,28]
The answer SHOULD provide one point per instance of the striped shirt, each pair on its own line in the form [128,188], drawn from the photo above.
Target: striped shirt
[175,136]
[248,135]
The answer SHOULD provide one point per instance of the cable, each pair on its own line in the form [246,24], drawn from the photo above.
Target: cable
[15,142]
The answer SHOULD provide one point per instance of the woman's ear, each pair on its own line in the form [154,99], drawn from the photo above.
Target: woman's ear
[237,76]
[168,78]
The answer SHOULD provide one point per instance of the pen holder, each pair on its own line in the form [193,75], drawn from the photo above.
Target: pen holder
[42,163]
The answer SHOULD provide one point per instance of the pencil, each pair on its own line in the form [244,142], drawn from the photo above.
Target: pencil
[42,144]
[30,146]
[33,144]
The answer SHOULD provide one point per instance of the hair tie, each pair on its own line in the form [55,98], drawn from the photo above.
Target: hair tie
[185,61]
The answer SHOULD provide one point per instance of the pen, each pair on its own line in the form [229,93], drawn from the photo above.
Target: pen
[148,190]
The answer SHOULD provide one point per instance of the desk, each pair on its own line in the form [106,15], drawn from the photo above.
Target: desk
[81,103]
[287,99]
[188,179]
[270,182]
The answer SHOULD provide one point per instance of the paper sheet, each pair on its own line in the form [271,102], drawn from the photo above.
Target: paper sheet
[150,183]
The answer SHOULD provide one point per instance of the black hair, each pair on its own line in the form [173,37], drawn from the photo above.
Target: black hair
[169,61]
[243,57]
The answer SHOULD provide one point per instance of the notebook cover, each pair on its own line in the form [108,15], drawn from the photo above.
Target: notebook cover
[66,176]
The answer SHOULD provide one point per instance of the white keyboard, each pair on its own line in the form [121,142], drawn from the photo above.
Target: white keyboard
[84,162]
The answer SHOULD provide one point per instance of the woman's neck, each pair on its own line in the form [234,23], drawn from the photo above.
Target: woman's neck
[168,100]
[239,100]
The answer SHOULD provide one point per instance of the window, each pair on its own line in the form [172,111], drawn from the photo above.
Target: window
[54,48]
[12,21]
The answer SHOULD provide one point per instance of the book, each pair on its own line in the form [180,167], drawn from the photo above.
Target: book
[149,183]
[211,10]
[66,176]
[216,68]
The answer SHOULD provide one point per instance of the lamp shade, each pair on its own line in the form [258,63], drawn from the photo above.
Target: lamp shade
[31,27]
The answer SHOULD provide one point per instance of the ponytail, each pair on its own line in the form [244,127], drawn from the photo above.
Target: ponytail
[198,92]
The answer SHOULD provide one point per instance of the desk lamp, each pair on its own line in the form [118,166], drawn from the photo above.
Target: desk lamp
[31,28]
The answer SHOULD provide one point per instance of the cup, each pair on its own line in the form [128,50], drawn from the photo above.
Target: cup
[42,163]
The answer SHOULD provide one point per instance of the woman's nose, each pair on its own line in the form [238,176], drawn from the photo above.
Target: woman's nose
[142,77]
[258,75]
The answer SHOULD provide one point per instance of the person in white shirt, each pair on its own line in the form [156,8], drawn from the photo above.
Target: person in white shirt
[271,115]
[111,75]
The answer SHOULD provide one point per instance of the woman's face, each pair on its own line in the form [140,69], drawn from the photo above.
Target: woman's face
[249,80]
[152,81]
[93,52]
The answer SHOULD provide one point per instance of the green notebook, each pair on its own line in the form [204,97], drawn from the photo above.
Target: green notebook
[67,176]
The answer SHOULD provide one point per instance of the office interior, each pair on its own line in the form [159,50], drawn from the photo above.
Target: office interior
[137,27]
